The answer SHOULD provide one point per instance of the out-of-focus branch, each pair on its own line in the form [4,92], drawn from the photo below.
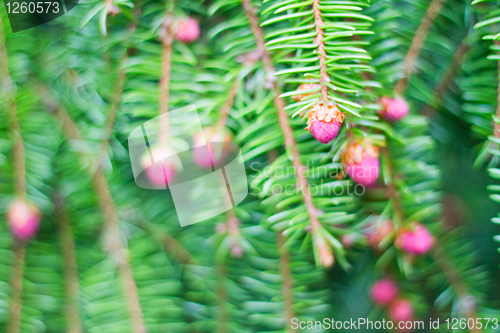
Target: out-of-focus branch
[448,76]
[290,143]
[113,241]
[19,170]
[287,285]
[223,315]
[72,312]
[318,23]
[417,43]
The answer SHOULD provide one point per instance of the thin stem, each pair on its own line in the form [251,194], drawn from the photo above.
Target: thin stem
[114,244]
[455,280]
[16,285]
[19,170]
[318,23]
[496,126]
[224,112]
[287,285]
[417,43]
[392,190]
[115,104]
[72,313]
[166,68]
[283,119]
[448,76]
[222,296]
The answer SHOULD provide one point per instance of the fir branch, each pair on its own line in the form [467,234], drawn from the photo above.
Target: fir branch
[496,125]
[453,277]
[318,24]
[223,315]
[447,79]
[19,170]
[112,233]
[16,285]
[6,87]
[287,284]
[290,142]
[226,108]
[72,313]
[417,43]
[115,104]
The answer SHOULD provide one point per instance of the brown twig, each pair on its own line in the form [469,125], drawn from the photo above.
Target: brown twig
[455,280]
[224,112]
[72,312]
[222,296]
[440,258]
[19,171]
[496,126]
[113,241]
[287,285]
[417,43]
[283,118]
[449,74]
[318,23]
[16,285]
[110,121]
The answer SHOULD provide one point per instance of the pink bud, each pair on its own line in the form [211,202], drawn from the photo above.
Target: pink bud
[384,291]
[378,232]
[360,159]
[325,132]
[188,30]
[348,240]
[324,121]
[401,310]
[212,154]
[366,172]
[394,108]
[162,171]
[416,240]
[24,219]
[236,251]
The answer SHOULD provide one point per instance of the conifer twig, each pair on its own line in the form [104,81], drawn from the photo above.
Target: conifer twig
[290,142]
[222,296]
[447,267]
[417,43]
[72,312]
[226,108]
[16,285]
[287,284]
[19,173]
[112,233]
[496,126]
[449,74]
[318,23]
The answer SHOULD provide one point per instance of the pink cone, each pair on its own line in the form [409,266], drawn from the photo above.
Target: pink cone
[188,30]
[377,233]
[212,154]
[325,132]
[394,108]
[160,174]
[24,219]
[417,240]
[401,310]
[384,291]
[366,172]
